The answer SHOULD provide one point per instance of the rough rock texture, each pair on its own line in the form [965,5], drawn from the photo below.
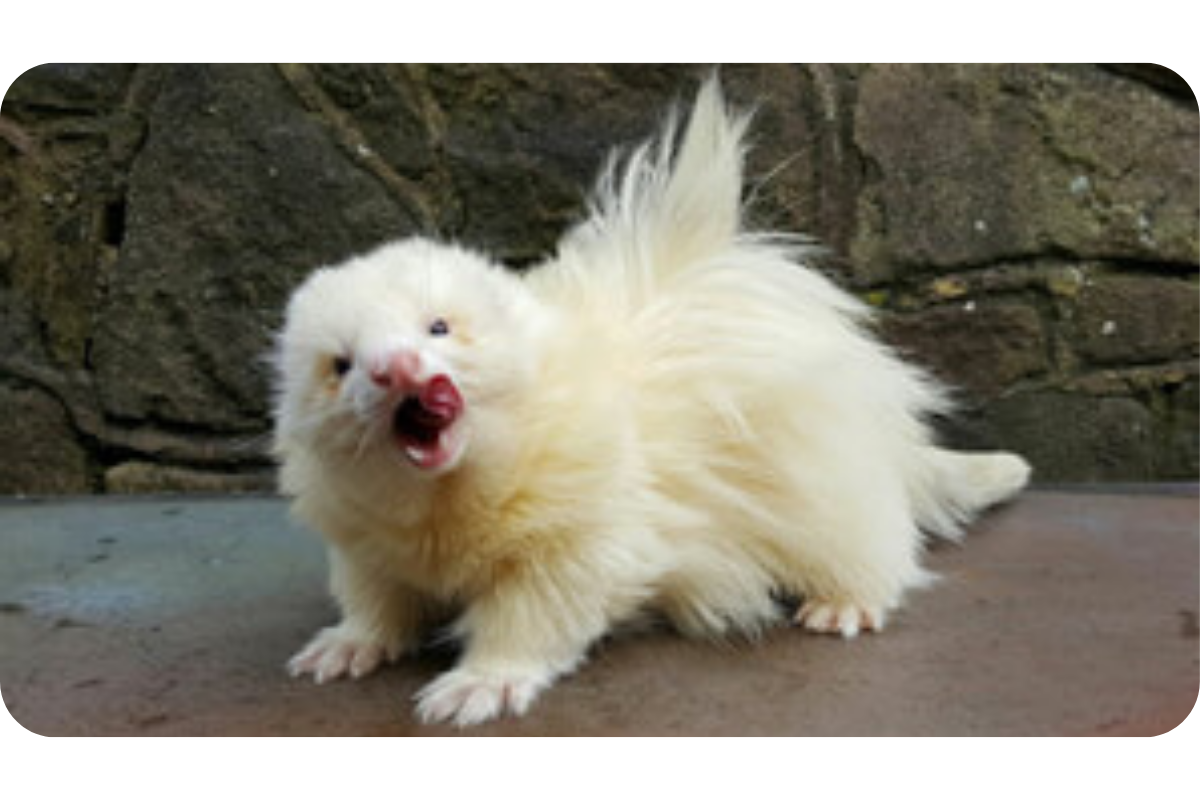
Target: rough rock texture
[1028,232]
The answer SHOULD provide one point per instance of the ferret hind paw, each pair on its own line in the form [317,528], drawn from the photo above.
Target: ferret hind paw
[822,616]
[466,696]
[340,651]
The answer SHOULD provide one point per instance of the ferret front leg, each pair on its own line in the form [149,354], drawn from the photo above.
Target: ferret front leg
[518,639]
[381,619]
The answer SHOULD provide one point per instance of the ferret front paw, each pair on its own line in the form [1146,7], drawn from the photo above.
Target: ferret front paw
[848,619]
[467,696]
[341,650]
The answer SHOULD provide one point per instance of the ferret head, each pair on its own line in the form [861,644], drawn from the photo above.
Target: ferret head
[405,354]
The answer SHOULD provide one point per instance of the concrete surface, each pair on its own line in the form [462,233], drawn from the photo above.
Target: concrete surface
[1065,613]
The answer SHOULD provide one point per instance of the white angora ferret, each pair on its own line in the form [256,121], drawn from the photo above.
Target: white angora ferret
[671,416]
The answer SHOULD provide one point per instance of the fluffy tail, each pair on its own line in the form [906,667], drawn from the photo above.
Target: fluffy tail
[665,226]
[665,208]
[951,488]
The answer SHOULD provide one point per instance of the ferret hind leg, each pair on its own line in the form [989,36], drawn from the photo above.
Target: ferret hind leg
[855,566]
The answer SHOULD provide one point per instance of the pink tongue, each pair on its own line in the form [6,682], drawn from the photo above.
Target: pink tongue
[441,397]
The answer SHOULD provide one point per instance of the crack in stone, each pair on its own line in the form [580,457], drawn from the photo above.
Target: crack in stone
[356,146]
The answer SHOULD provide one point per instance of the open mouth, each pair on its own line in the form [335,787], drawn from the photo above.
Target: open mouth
[423,421]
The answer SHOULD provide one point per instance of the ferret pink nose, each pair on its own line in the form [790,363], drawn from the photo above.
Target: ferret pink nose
[399,372]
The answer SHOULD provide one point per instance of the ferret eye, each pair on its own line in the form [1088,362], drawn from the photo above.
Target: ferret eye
[341,365]
[439,327]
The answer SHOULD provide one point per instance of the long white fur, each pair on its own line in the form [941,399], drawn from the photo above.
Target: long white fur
[671,415]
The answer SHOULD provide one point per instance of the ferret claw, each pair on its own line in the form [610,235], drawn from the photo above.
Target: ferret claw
[336,652]
[468,697]
[844,618]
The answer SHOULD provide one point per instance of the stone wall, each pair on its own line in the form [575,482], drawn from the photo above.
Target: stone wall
[1029,232]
